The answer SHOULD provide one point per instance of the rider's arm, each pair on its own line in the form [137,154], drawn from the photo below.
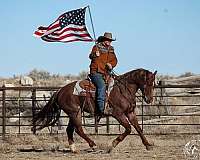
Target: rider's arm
[112,58]
[93,53]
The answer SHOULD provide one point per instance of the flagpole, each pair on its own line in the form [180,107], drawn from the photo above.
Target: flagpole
[92,22]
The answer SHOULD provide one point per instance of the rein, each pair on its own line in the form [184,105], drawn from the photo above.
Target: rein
[115,74]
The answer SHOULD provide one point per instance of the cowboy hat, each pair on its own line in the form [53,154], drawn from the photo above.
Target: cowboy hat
[106,36]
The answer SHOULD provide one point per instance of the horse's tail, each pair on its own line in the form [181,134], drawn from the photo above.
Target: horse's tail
[48,115]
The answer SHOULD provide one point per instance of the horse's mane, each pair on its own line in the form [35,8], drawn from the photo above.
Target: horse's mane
[134,74]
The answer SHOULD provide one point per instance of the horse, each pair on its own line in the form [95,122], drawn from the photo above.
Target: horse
[122,100]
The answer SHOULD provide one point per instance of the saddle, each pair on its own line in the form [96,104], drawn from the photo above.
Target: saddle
[88,89]
[87,84]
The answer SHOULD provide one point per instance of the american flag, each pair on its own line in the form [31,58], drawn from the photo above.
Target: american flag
[69,27]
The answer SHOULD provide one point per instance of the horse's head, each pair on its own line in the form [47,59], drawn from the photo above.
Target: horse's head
[141,79]
[146,85]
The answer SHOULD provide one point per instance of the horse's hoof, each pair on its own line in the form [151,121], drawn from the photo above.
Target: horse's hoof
[94,148]
[149,147]
[73,148]
[76,152]
[110,149]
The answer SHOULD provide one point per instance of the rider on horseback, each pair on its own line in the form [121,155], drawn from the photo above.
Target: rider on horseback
[103,60]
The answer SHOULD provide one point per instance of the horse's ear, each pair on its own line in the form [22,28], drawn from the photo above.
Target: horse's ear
[155,73]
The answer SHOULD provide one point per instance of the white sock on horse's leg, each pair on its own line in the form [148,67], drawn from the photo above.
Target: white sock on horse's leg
[72,147]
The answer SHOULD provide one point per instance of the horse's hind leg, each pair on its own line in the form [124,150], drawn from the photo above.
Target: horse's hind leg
[122,119]
[79,130]
[133,120]
[70,132]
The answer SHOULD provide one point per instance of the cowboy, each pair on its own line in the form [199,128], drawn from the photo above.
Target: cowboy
[103,60]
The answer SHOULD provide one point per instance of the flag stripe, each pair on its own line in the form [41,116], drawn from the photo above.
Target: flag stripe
[54,25]
[68,35]
[47,30]
[38,33]
[68,39]
[75,29]
[69,32]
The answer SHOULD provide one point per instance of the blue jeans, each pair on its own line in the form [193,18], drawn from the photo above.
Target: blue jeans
[98,80]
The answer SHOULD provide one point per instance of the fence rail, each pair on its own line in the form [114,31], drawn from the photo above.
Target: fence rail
[177,110]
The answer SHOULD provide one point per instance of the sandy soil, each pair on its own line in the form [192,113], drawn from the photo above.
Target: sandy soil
[55,147]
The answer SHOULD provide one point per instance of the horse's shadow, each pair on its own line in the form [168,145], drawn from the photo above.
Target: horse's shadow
[85,151]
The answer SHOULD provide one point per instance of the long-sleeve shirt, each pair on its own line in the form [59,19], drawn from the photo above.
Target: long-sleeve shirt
[98,63]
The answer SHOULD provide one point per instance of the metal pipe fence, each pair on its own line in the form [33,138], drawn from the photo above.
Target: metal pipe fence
[176,110]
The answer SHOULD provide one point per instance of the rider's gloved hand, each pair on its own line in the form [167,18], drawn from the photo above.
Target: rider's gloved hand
[97,53]
[109,66]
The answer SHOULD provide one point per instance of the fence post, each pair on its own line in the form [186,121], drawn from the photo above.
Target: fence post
[107,125]
[19,104]
[142,115]
[3,111]
[34,108]
[95,124]
[162,90]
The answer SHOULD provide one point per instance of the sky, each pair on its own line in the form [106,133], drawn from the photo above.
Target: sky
[162,35]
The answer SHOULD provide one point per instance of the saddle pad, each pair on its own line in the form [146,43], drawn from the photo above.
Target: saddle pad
[77,89]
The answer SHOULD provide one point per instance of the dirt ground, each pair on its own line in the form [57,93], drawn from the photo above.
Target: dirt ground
[55,147]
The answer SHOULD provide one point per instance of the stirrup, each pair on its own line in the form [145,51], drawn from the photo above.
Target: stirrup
[99,118]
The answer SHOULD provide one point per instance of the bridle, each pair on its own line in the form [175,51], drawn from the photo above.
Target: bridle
[142,87]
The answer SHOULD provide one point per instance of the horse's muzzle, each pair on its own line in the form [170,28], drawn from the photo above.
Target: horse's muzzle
[148,100]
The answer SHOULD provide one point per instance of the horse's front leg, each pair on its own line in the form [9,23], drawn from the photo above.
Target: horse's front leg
[133,120]
[122,119]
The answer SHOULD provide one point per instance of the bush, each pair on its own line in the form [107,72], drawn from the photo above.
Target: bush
[37,75]
[187,74]
[82,75]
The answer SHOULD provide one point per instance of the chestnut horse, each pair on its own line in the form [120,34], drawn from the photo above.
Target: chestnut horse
[122,99]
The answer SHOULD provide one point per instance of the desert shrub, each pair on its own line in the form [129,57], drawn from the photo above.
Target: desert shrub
[187,74]
[82,75]
[39,74]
